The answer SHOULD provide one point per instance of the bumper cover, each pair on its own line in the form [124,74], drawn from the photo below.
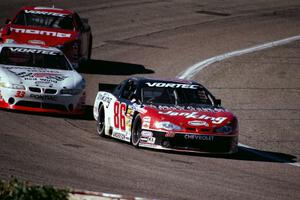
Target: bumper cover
[192,142]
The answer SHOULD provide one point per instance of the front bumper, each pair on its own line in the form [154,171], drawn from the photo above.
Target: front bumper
[191,142]
[25,100]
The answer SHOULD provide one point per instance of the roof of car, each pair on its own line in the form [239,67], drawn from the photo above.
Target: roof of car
[48,9]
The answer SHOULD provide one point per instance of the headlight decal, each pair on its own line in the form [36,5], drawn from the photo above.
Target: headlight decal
[12,86]
[70,91]
[167,126]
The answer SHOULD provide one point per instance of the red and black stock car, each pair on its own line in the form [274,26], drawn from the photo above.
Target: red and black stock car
[51,27]
[176,115]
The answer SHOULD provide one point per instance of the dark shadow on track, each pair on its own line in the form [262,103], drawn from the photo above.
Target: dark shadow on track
[243,154]
[246,154]
[112,68]
[87,115]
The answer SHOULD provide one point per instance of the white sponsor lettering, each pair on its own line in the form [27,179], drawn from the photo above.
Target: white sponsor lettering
[199,137]
[41,32]
[195,115]
[198,123]
[42,97]
[151,140]
[118,136]
[45,13]
[171,85]
[147,134]
[36,51]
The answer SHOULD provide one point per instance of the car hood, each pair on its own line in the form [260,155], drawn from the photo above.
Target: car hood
[191,116]
[40,77]
[40,36]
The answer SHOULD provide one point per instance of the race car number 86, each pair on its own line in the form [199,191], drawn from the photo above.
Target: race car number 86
[119,115]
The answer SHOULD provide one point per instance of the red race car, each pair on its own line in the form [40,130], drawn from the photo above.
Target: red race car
[178,115]
[53,27]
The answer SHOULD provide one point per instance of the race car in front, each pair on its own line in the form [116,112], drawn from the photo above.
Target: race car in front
[39,79]
[177,114]
[52,27]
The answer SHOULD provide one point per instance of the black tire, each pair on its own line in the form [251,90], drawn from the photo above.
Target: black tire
[136,131]
[101,121]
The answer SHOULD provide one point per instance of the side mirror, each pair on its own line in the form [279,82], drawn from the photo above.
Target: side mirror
[217,102]
[7,21]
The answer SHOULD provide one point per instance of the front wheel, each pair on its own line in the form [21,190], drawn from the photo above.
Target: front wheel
[101,121]
[136,131]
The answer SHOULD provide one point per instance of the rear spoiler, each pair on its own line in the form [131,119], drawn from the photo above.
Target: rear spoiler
[106,87]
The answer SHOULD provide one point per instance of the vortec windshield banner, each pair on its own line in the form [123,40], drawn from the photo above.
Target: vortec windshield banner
[45,13]
[171,85]
[35,51]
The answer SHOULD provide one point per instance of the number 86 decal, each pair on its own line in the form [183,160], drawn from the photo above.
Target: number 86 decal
[119,115]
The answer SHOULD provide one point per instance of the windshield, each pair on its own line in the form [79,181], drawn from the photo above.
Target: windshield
[44,19]
[33,58]
[175,96]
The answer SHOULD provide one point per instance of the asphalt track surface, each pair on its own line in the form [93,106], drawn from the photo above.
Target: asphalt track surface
[162,39]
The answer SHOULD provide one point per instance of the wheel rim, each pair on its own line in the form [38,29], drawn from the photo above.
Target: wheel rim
[100,121]
[137,134]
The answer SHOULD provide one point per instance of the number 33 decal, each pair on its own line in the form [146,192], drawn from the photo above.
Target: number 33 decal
[119,115]
[20,94]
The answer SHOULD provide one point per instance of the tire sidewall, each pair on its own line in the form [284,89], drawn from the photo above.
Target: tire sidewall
[102,131]
[135,136]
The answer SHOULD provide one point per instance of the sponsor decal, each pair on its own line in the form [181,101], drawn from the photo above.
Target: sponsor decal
[146,125]
[129,112]
[171,85]
[151,140]
[128,123]
[147,134]
[195,115]
[105,98]
[41,32]
[31,69]
[199,137]
[43,83]
[20,94]
[146,122]
[43,97]
[170,134]
[35,51]
[42,77]
[118,136]
[198,123]
[138,108]
[45,13]
[147,119]
[177,107]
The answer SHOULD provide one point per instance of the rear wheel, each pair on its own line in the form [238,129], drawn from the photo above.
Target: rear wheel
[101,121]
[136,131]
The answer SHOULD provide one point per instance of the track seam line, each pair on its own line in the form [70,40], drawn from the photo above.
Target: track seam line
[196,68]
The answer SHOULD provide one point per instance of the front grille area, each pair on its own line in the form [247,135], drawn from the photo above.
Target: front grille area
[40,90]
[219,144]
[32,104]
[35,89]
[50,91]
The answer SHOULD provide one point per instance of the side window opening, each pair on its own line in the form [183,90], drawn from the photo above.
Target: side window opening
[129,90]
